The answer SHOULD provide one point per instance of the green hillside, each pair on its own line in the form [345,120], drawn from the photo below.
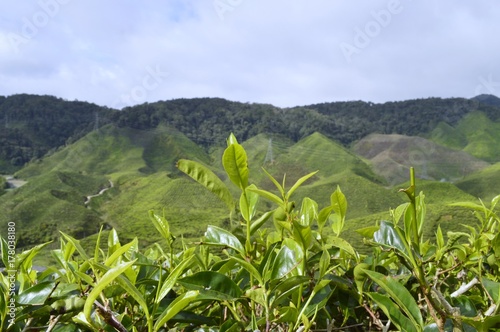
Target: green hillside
[136,166]
[475,134]
[392,156]
[482,135]
[484,184]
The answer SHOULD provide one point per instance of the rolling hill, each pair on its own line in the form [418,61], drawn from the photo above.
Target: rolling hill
[139,159]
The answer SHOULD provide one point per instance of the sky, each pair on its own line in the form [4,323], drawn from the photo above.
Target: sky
[284,53]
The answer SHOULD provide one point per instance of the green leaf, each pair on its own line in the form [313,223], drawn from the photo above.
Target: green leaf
[298,184]
[343,245]
[289,260]
[175,307]
[119,252]
[398,212]
[285,288]
[25,259]
[212,285]
[390,236]
[77,245]
[339,203]
[106,279]
[259,222]
[162,225]
[276,183]
[367,232]
[483,324]
[323,216]
[169,283]
[131,290]
[248,203]
[113,241]
[220,237]
[303,234]
[38,294]
[249,268]
[231,140]
[439,237]
[270,196]
[235,163]
[97,248]
[394,313]
[208,179]
[5,252]
[493,289]
[308,211]
[324,263]
[400,295]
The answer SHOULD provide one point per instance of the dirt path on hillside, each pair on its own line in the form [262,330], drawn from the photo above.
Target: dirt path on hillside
[102,191]
[14,183]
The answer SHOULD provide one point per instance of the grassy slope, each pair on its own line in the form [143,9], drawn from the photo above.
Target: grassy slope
[484,184]
[393,155]
[122,155]
[482,135]
[142,166]
[474,134]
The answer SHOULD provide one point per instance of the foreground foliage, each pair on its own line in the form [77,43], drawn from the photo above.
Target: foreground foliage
[298,274]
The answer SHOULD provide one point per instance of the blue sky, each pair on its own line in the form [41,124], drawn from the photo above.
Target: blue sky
[285,53]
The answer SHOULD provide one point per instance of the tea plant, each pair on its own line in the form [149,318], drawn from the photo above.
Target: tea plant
[287,269]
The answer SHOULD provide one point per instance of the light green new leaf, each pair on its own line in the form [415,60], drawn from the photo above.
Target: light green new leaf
[208,179]
[398,212]
[25,259]
[323,216]
[394,313]
[299,183]
[231,140]
[106,279]
[308,211]
[175,307]
[270,196]
[113,241]
[169,283]
[220,237]
[339,202]
[259,222]
[77,245]
[5,249]
[302,234]
[398,294]
[276,183]
[248,203]
[235,163]
[162,225]
[120,251]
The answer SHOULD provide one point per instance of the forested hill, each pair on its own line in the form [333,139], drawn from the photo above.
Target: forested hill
[33,125]
[207,121]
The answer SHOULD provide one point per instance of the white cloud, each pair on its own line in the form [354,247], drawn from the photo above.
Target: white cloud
[280,52]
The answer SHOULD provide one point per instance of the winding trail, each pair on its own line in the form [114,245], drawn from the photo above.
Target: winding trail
[102,191]
[13,183]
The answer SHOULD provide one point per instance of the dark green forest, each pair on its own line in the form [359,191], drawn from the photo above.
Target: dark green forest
[33,125]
